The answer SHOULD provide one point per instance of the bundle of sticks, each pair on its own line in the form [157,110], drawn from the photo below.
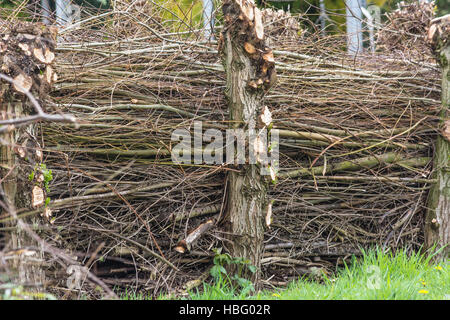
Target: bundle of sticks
[356,142]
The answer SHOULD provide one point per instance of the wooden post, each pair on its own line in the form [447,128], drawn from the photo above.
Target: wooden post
[26,55]
[249,66]
[437,224]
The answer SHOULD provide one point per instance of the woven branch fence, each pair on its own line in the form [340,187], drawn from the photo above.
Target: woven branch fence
[356,147]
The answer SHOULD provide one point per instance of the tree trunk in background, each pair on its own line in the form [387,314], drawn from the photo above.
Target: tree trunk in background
[208,19]
[63,12]
[437,224]
[26,52]
[354,27]
[250,72]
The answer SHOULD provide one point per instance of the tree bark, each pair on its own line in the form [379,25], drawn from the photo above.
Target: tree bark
[250,73]
[26,53]
[437,222]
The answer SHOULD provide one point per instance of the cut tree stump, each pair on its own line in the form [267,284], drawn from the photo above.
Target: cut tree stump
[250,72]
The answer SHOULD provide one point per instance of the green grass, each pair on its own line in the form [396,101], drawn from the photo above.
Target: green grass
[133,295]
[377,275]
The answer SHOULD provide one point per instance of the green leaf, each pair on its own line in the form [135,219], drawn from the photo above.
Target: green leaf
[217,271]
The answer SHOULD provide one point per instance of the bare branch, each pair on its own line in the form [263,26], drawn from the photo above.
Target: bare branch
[11,124]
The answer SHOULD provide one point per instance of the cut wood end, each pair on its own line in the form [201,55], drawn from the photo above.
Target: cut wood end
[180,249]
[49,56]
[259,27]
[252,84]
[249,48]
[37,197]
[268,57]
[446,130]
[439,28]
[47,213]
[21,151]
[431,32]
[49,74]
[22,83]
[46,57]
[246,7]
[25,48]
[37,52]
[39,154]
